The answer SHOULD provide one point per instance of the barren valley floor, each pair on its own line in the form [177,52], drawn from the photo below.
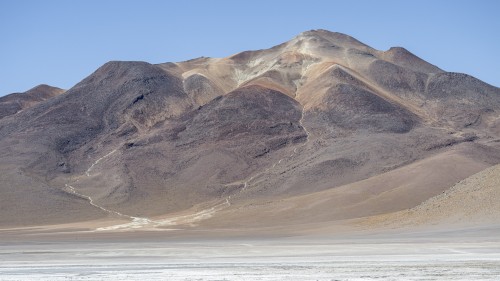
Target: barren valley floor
[453,254]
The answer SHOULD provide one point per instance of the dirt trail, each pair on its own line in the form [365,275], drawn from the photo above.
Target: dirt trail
[144,222]
[97,162]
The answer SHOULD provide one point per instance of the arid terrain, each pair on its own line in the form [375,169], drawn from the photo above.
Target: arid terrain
[321,138]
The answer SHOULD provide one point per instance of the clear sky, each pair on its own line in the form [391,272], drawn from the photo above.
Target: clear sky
[61,42]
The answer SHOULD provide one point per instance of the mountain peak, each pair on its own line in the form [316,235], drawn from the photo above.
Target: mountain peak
[316,33]
[45,90]
[405,58]
[330,39]
[16,102]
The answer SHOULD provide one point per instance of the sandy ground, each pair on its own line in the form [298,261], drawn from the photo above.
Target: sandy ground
[474,200]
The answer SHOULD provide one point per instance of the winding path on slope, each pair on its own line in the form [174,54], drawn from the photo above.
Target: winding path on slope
[136,222]
[143,222]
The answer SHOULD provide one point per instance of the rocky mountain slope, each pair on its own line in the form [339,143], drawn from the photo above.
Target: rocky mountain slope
[13,103]
[317,129]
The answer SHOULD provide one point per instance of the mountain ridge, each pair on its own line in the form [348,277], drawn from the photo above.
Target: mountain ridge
[15,102]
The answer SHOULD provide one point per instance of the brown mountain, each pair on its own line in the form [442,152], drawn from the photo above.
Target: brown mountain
[13,103]
[317,130]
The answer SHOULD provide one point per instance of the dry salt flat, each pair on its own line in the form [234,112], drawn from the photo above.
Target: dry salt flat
[244,259]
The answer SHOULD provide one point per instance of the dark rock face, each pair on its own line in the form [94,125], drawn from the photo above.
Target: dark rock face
[462,100]
[307,115]
[397,79]
[355,108]
[251,110]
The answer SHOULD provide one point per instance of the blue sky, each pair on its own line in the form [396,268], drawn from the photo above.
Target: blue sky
[61,42]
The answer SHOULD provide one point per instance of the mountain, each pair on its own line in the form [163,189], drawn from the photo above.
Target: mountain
[13,103]
[317,130]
